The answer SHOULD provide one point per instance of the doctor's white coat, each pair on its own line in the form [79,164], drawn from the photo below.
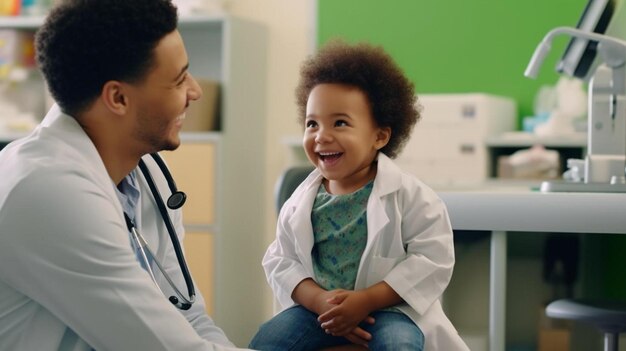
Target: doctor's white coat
[69,279]
[409,246]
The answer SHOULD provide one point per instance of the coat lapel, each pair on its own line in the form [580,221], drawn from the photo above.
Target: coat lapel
[388,180]
[300,220]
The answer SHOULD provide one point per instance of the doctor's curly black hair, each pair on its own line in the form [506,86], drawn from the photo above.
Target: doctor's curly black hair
[369,68]
[85,43]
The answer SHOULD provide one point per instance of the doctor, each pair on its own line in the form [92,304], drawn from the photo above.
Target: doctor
[69,276]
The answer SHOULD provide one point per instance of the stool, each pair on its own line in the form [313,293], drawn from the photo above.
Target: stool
[608,316]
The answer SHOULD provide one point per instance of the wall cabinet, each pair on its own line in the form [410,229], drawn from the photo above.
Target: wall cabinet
[193,168]
[232,51]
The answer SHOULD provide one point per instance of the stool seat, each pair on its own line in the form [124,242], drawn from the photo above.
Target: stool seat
[606,315]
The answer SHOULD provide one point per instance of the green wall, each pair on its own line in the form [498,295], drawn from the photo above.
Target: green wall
[457,46]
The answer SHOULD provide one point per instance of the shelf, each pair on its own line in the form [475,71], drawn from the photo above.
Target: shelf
[21,22]
[191,137]
[521,139]
[34,22]
[201,20]
[200,137]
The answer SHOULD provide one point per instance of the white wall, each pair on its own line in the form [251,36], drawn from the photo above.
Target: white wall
[291,38]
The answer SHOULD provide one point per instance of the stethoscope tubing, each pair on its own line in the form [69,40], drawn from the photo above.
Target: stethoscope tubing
[186,304]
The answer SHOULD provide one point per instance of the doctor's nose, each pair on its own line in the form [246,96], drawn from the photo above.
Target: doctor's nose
[195,91]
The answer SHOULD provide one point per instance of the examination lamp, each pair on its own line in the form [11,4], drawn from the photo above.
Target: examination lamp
[612,50]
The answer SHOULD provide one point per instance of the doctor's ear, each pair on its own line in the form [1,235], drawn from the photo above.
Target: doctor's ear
[114,97]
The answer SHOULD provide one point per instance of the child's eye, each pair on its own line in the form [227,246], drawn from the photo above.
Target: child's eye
[341,123]
[311,124]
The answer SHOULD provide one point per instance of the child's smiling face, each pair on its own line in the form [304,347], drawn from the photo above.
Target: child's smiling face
[341,137]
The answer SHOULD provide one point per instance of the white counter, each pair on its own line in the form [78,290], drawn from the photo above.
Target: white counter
[503,209]
[531,211]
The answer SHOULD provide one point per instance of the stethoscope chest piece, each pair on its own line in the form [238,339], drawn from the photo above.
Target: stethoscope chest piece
[176,200]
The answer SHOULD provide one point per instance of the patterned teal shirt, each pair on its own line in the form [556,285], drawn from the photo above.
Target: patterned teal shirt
[340,234]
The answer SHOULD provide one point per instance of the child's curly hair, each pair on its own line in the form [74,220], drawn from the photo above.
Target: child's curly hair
[391,95]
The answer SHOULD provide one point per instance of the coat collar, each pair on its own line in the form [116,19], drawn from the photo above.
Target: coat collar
[64,129]
[388,179]
[388,176]
[299,206]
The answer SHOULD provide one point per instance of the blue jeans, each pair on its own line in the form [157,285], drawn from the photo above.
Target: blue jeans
[297,329]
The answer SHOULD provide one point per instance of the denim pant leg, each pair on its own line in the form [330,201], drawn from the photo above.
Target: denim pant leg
[394,331]
[294,329]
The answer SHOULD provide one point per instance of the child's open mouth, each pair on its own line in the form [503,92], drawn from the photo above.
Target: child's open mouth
[330,157]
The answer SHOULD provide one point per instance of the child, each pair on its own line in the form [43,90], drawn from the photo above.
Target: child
[363,251]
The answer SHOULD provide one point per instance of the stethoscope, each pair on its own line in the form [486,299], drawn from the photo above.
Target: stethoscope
[175,201]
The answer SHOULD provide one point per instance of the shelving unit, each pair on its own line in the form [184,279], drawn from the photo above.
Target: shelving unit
[229,240]
[21,22]
[568,146]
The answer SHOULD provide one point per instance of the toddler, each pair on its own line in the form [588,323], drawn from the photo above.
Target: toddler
[363,251]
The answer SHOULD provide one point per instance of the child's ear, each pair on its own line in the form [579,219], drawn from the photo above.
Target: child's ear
[382,137]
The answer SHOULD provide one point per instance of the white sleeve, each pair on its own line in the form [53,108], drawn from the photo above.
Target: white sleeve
[421,278]
[71,254]
[282,266]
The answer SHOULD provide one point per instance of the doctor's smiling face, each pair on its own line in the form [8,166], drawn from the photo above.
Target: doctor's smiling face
[162,97]
[341,137]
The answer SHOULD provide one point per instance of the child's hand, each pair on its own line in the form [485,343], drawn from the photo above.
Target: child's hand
[322,304]
[352,307]
[359,336]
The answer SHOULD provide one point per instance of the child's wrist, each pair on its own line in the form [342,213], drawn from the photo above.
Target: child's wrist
[368,300]
[318,303]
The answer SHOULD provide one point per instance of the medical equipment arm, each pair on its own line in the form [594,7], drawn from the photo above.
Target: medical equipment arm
[605,161]
[612,50]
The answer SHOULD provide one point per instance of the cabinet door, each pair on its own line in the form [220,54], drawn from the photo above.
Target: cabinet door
[193,168]
[199,254]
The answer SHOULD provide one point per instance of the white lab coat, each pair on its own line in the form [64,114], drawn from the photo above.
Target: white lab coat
[69,279]
[409,246]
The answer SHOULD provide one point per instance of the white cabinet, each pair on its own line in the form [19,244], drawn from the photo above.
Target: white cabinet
[231,51]
[447,145]
[193,166]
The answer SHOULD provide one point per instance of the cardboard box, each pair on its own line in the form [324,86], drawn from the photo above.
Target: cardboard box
[554,340]
[554,334]
[203,115]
